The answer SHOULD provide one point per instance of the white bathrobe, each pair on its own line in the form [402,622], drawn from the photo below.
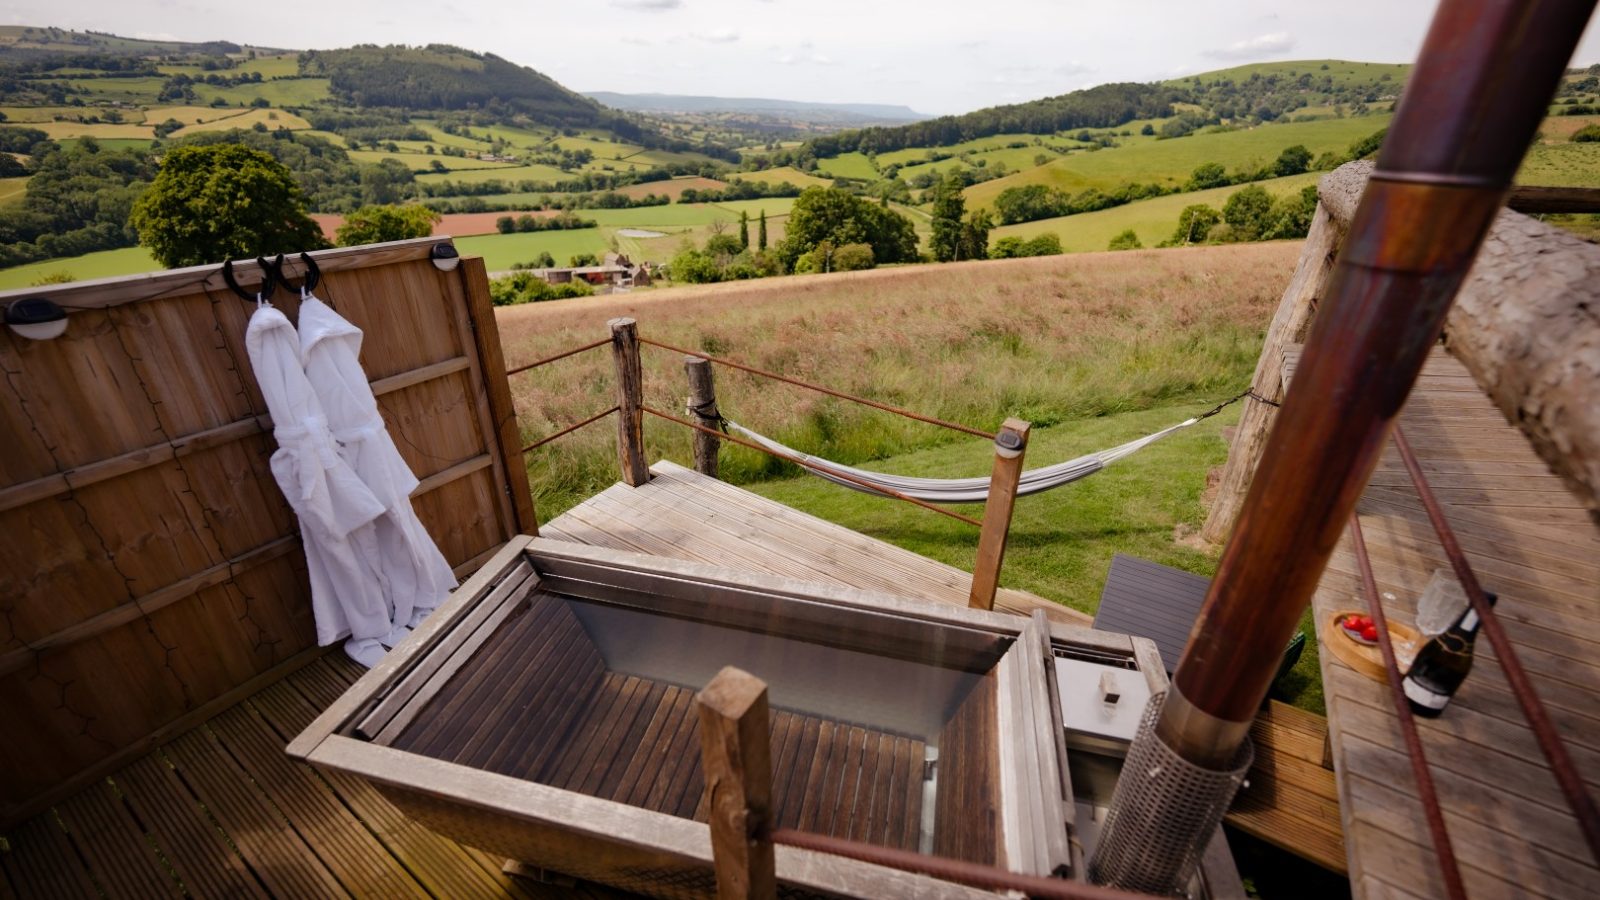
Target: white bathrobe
[335,508]
[414,575]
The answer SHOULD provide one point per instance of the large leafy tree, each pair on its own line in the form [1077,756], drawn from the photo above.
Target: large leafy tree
[839,217]
[220,201]
[376,224]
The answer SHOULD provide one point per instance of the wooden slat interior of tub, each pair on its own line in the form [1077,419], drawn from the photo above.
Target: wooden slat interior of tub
[536,702]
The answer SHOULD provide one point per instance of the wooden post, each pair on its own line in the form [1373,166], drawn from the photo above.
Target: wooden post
[630,401]
[1289,326]
[1009,446]
[703,406]
[737,758]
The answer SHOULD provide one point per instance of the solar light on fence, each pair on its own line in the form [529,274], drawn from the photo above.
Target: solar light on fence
[36,318]
[445,258]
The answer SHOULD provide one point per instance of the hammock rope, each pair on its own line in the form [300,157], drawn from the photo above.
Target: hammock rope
[974,490]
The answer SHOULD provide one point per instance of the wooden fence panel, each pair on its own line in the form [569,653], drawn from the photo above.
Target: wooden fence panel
[151,564]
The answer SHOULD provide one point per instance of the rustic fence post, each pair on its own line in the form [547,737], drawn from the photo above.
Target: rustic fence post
[1009,446]
[630,401]
[1289,326]
[736,756]
[703,406]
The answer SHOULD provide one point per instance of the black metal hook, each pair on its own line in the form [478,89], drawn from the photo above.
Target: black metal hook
[312,276]
[269,285]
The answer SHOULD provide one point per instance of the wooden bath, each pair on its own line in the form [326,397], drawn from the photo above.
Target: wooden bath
[546,714]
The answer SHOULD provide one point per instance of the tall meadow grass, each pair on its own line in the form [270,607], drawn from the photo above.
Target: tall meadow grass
[1048,340]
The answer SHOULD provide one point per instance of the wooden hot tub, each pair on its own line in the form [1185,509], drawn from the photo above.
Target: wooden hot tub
[546,713]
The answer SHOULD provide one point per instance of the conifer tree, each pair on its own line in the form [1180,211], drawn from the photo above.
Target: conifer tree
[761,234]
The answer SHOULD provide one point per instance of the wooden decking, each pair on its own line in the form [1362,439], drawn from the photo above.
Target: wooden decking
[1291,801]
[1530,541]
[681,514]
[222,812]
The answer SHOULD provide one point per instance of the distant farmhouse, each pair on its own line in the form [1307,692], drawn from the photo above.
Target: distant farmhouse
[615,271]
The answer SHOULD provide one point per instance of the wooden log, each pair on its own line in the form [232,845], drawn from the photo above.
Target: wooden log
[1524,324]
[1009,447]
[1532,199]
[1289,326]
[630,401]
[703,406]
[737,759]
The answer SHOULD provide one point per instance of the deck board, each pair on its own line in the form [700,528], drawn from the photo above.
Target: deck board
[681,514]
[1531,542]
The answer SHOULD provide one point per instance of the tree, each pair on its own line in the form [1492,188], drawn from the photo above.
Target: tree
[377,224]
[1292,161]
[853,257]
[1147,130]
[975,235]
[505,225]
[1208,175]
[215,202]
[1368,145]
[1127,240]
[583,259]
[1194,222]
[761,232]
[744,230]
[948,207]
[1246,212]
[1006,248]
[1586,134]
[839,217]
[1047,244]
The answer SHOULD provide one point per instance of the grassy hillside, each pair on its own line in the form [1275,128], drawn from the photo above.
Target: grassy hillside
[1170,162]
[1343,73]
[1152,220]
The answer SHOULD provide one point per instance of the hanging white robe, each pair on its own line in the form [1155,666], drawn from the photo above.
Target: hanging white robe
[415,576]
[334,506]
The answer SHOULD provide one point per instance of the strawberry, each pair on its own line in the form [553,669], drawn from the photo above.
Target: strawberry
[1369,632]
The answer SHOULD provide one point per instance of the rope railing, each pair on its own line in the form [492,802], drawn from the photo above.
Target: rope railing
[805,464]
[906,413]
[1544,731]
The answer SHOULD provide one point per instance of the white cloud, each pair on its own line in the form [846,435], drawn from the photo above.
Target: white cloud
[1255,48]
[648,5]
[720,36]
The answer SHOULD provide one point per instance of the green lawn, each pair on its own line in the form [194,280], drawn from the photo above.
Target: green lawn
[778,176]
[774,206]
[1170,162]
[12,189]
[104,264]
[501,251]
[1152,220]
[850,165]
[282,92]
[1061,541]
[1562,165]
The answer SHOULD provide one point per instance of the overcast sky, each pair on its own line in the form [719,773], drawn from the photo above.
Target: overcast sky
[936,56]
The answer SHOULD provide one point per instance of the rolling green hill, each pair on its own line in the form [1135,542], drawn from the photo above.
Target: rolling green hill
[1170,162]
[441,77]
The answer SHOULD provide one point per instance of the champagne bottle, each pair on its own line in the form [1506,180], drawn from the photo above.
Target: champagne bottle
[1442,664]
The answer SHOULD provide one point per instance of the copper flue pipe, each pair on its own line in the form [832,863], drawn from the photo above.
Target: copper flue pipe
[1487,71]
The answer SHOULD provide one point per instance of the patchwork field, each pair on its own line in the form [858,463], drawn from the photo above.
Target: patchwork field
[780,175]
[1171,162]
[849,165]
[1152,220]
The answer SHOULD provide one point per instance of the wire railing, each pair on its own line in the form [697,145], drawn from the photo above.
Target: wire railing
[1566,775]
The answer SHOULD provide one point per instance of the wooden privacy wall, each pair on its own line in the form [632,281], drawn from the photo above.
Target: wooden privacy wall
[150,564]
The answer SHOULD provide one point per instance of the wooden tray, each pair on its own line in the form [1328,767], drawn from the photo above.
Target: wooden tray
[1369,660]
